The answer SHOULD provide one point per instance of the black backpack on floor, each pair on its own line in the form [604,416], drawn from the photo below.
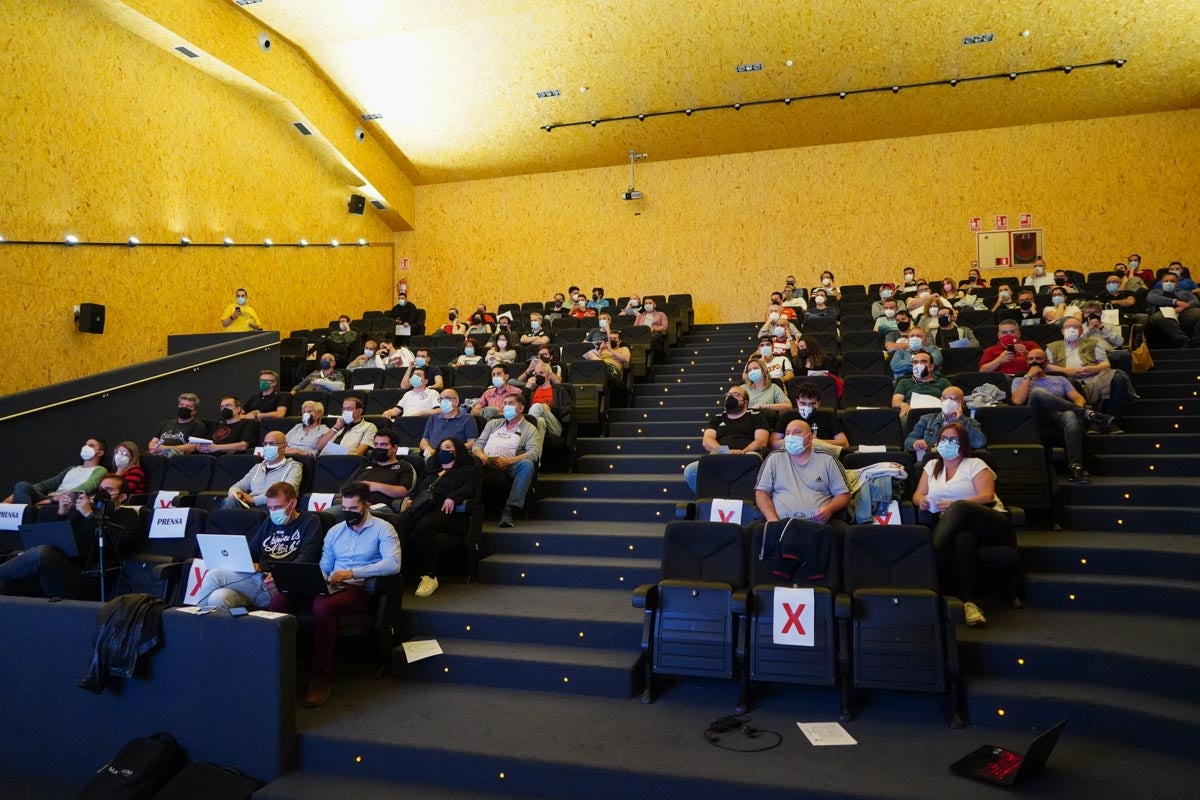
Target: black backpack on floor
[137,771]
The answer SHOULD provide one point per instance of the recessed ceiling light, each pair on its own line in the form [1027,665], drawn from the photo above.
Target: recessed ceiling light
[1024,33]
[787,63]
[583,88]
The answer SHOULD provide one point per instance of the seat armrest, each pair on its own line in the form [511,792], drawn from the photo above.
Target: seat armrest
[168,572]
[645,596]
[685,509]
[737,601]
[953,609]
[842,608]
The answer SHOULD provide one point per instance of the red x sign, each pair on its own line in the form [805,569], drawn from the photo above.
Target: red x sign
[793,622]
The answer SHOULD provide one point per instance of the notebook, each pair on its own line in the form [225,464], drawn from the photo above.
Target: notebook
[1003,767]
[56,534]
[225,552]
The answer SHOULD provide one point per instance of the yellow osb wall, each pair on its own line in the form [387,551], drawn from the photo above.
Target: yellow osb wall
[728,229]
[110,137]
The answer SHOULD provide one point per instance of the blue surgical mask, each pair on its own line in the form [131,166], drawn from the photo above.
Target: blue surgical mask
[446,406]
[915,343]
[886,293]
[402,302]
[419,361]
[794,444]
[947,449]
[1168,286]
[468,351]
[416,381]
[1058,299]
[368,352]
[510,413]
[279,516]
[1112,287]
[534,324]
[270,452]
[241,301]
[498,382]
[755,375]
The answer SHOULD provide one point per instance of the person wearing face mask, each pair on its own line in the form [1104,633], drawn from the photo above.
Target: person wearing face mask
[949,291]
[793,298]
[1128,279]
[269,401]
[1096,331]
[303,437]
[451,423]
[959,491]
[435,519]
[739,430]
[239,317]
[944,331]
[251,490]
[234,433]
[778,366]
[1106,389]
[828,284]
[1182,276]
[287,535]
[974,280]
[1174,312]
[421,400]
[597,334]
[1005,301]
[367,358]
[406,315]
[908,283]
[633,307]
[1039,278]
[799,482]
[454,324]
[45,571]
[1027,310]
[1063,280]
[389,478]
[479,326]
[1007,356]
[828,435]
[764,394]
[923,437]
[83,478]
[422,361]
[512,445]
[778,325]
[656,320]
[786,311]
[582,310]
[357,550]
[921,381]
[821,307]
[343,339]
[538,334]
[127,462]
[887,291]
[897,339]
[1060,308]
[886,323]
[916,301]
[471,355]
[539,379]
[614,355]
[1114,296]
[598,302]
[918,342]
[324,377]
[1058,405]
[490,404]
[500,351]
[171,438]
[350,433]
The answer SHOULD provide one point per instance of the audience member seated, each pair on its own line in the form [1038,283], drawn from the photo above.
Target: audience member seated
[479,327]
[1106,389]
[419,401]
[599,333]
[541,361]
[1127,275]
[343,339]
[326,377]
[787,312]
[615,356]
[973,280]
[470,355]
[302,439]
[739,430]
[558,307]
[949,292]
[394,355]
[355,551]
[453,324]
[887,291]
[917,301]
[581,310]
[777,325]
[389,478]
[350,433]
[1038,278]
[422,361]
[886,322]
[537,335]
[452,422]
[1095,331]
[779,366]
[404,312]
[598,302]
[83,478]
[960,491]
[902,359]
[1004,300]
[1027,309]
[1182,277]
[499,352]
[1183,329]
[789,288]
[431,518]
[367,358]
[921,381]
[896,340]
[171,438]
[633,307]
[764,394]
[1007,355]
[234,433]
[287,535]
[821,308]
[510,444]
[491,403]
[1059,309]
[810,358]
[239,317]
[540,379]
[924,436]
[46,571]
[267,401]
[1114,296]
[127,462]
[828,435]
[945,332]
[799,482]
[1063,280]
[1057,405]
[829,286]
[275,466]
[908,282]
[793,298]
[656,321]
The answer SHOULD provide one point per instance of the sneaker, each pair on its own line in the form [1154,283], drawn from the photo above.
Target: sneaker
[973,614]
[506,518]
[1105,421]
[318,693]
[428,586]
[1078,474]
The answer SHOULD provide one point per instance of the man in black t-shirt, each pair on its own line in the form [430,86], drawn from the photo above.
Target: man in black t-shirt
[235,433]
[828,436]
[738,430]
[268,402]
[171,438]
[389,478]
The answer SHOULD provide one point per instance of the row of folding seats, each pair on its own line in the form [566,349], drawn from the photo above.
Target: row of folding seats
[876,389]
[833,338]
[875,618]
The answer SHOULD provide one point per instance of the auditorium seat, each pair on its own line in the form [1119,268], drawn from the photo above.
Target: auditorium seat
[960,359]
[157,569]
[228,470]
[970,381]
[727,475]
[190,474]
[863,362]
[333,472]
[867,390]
[234,521]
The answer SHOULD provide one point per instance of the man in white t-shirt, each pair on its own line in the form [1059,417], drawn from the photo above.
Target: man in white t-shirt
[511,443]
[419,401]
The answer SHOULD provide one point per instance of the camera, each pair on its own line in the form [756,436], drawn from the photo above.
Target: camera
[264,41]
[102,505]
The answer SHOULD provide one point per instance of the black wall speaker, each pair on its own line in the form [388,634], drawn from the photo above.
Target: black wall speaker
[90,318]
[357,204]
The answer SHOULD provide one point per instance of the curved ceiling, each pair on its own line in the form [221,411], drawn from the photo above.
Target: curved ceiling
[456,81]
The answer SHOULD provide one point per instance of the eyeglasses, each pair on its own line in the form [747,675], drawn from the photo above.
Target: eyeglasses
[948,440]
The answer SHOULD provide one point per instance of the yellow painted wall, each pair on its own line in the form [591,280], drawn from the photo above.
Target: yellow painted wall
[104,135]
[728,229]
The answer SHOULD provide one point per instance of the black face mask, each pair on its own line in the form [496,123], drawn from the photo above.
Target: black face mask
[379,454]
[1060,281]
[1026,305]
[539,380]
[453,316]
[446,457]
[546,358]
[353,517]
[945,322]
[733,404]
[226,414]
[326,364]
[184,412]
[903,325]
[1120,273]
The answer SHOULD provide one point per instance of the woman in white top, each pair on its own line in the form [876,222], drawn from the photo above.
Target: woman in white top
[960,491]
[829,284]
[470,355]
[302,438]
[499,352]
[765,395]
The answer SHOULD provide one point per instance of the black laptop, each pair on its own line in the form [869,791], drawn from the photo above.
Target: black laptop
[55,534]
[302,580]
[1002,767]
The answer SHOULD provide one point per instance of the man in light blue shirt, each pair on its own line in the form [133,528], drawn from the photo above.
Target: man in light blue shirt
[356,550]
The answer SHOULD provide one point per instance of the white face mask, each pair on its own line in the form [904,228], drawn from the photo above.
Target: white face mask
[348,417]
[827,281]
[819,299]
[1039,270]
[87,452]
[307,417]
[774,315]
[1071,335]
[950,406]
[121,459]
[889,312]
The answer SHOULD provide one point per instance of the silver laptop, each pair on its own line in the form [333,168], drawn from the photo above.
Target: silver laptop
[225,552]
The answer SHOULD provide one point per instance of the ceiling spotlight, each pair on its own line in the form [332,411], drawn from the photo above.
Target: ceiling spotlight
[593,123]
[184,241]
[1012,76]
[737,106]
[787,101]
[1,239]
[841,95]
[228,242]
[134,241]
[954,81]
[547,128]
[333,242]
[895,89]
[641,117]
[1067,69]
[1120,62]
[787,63]
[267,243]
[687,111]
[304,242]
[582,89]
[70,240]
[1024,33]
[362,242]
